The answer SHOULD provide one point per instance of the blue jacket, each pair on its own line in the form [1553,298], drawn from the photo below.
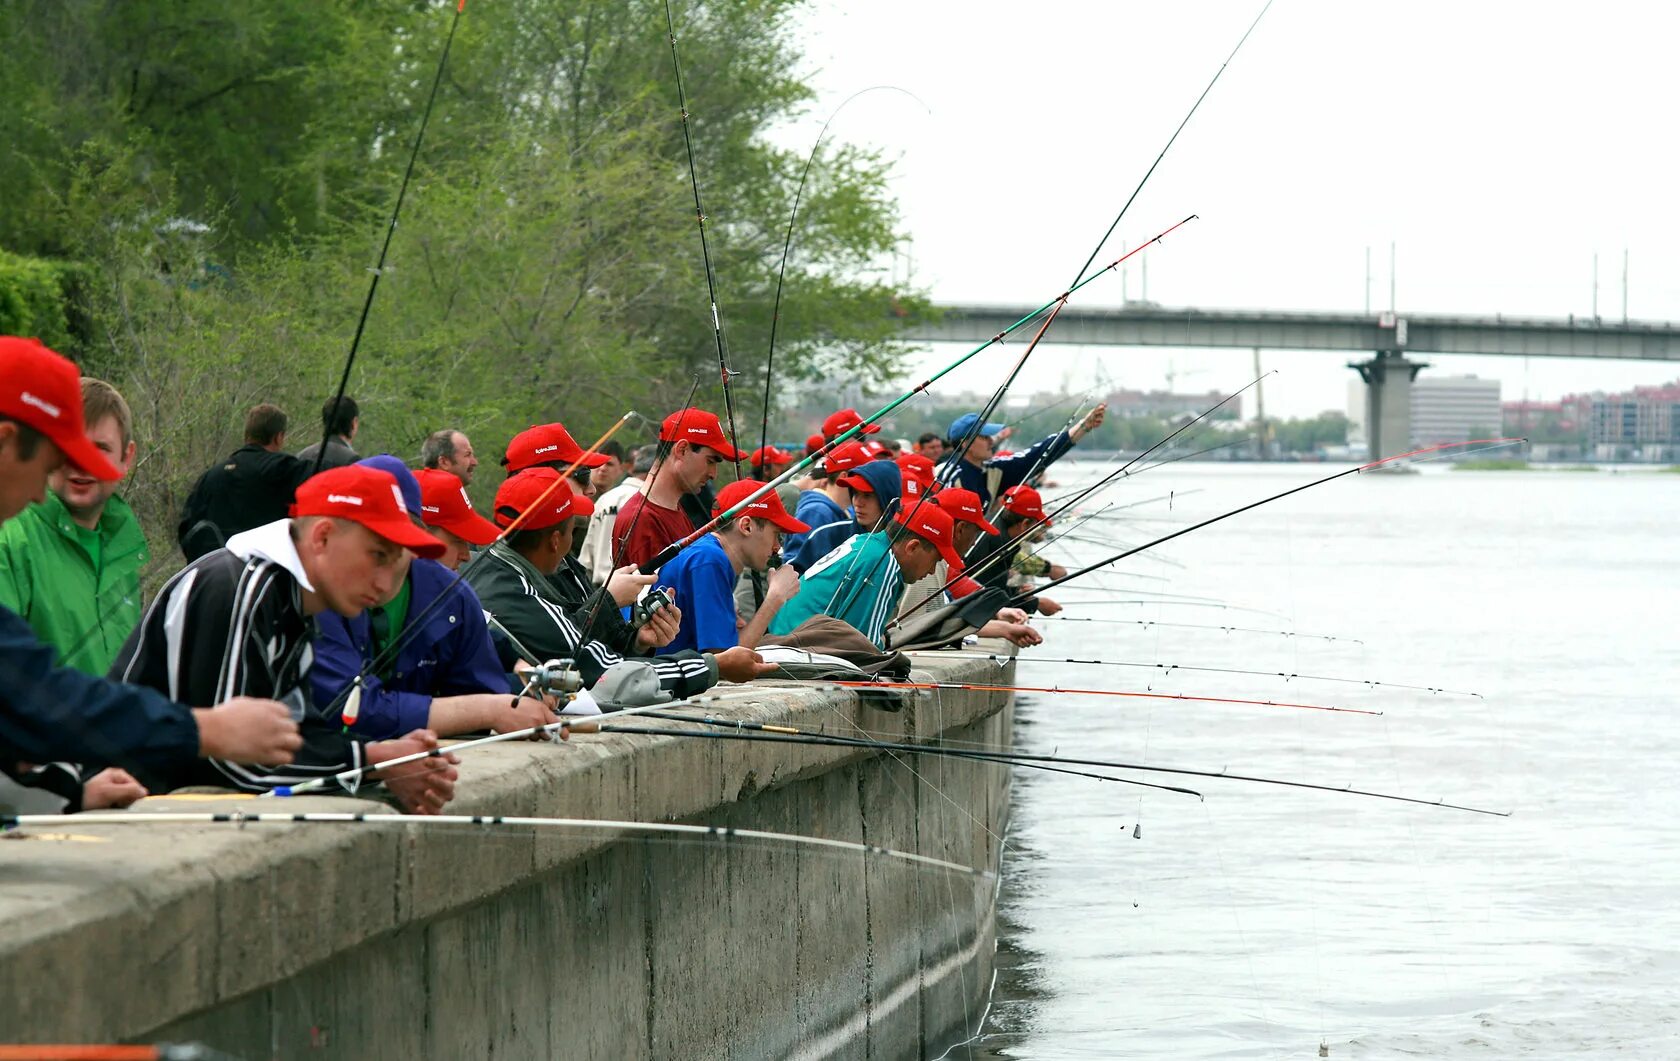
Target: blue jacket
[815,509]
[50,713]
[1000,473]
[450,657]
[888,481]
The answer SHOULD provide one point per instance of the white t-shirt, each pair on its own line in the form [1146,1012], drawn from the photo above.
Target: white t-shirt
[597,550]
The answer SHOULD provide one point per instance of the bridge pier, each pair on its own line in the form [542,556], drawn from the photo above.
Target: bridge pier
[1388,400]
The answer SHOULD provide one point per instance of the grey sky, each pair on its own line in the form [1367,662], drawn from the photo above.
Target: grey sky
[1500,144]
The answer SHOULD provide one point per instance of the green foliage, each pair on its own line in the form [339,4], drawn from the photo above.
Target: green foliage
[1492,464]
[1310,434]
[226,171]
[35,296]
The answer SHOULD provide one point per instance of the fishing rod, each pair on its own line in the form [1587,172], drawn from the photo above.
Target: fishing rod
[390,231]
[1168,460]
[1199,626]
[348,702]
[1168,668]
[1170,140]
[771,734]
[721,833]
[986,688]
[705,250]
[799,466]
[1490,443]
[787,244]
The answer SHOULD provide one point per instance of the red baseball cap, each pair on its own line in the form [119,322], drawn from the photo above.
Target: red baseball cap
[444,503]
[814,443]
[547,443]
[874,448]
[699,428]
[768,507]
[917,471]
[1024,501]
[769,455]
[370,497]
[857,482]
[844,456]
[933,525]
[965,505]
[545,485]
[843,421]
[44,390]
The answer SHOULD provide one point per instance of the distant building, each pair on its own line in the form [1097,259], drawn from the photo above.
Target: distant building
[1454,409]
[1166,404]
[1642,424]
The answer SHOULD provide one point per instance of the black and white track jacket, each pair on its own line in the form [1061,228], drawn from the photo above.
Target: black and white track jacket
[229,624]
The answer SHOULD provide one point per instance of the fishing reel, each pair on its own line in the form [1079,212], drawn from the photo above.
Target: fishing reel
[557,677]
[651,604]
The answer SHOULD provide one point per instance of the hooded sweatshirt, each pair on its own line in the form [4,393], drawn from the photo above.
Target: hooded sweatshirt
[888,481]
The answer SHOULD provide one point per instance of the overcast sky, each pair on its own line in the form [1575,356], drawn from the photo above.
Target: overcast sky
[1498,144]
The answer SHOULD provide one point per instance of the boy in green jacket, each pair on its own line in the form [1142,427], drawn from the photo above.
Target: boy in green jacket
[70,565]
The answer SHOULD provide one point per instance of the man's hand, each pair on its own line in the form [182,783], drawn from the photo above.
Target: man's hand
[1046,606]
[248,730]
[741,665]
[660,629]
[1092,421]
[627,583]
[424,786]
[1021,635]
[111,787]
[524,713]
[1011,615]
[784,584]
[1057,571]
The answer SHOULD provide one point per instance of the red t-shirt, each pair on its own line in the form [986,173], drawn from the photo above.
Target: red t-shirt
[657,528]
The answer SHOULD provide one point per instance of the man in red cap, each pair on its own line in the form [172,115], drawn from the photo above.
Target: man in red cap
[424,662]
[860,583]
[992,559]
[50,713]
[691,447]
[969,522]
[826,503]
[843,421]
[548,446]
[240,620]
[704,575]
[918,476]
[514,585]
[768,462]
[447,512]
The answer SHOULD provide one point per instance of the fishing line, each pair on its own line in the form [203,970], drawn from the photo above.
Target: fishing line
[981,687]
[1168,668]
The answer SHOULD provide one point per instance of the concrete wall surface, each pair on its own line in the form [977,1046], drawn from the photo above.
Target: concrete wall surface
[361,941]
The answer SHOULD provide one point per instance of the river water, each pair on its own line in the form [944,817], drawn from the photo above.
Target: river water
[1269,922]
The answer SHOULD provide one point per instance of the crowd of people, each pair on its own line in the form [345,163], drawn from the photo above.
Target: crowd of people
[336,611]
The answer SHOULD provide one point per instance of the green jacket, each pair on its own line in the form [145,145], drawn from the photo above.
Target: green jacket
[84,607]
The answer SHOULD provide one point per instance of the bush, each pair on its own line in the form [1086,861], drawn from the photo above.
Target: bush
[34,297]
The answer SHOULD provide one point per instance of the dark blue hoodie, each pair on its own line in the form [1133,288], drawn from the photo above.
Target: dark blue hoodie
[888,482]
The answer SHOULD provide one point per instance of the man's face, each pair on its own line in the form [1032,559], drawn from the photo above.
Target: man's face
[608,475]
[23,482]
[964,535]
[459,549]
[81,493]
[352,568]
[933,449]
[916,558]
[761,538]
[980,449]
[462,464]
[694,466]
[868,509]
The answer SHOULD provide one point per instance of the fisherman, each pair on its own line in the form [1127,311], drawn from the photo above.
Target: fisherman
[239,621]
[861,582]
[548,446]
[597,551]
[449,451]
[918,472]
[843,421]
[513,584]
[989,475]
[50,713]
[691,447]
[826,502]
[447,512]
[873,489]
[991,559]
[768,462]
[252,487]
[444,674]
[931,446]
[705,574]
[340,420]
[968,523]
[610,472]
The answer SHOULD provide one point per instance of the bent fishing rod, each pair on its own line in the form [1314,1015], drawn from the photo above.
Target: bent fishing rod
[1221,775]
[798,467]
[1490,443]
[390,231]
[724,372]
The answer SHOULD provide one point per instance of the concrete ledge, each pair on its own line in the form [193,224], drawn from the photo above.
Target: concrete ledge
[362,941]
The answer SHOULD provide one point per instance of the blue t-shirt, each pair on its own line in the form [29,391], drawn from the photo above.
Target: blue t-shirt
[705,583]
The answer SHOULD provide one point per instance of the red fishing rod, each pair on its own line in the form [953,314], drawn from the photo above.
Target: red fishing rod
[1490,443]
[985,688]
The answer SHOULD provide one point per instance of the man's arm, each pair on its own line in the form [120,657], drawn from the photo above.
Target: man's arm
[341,655]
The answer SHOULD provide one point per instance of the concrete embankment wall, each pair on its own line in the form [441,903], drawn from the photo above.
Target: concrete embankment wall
[370,941]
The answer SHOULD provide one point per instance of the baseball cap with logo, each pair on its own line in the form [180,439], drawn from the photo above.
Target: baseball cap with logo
[843,421]
[814,443]
[44,390]
[965,505]
[844,457]
[444,503]
[548,444]
[769,455]
[1024,501]
[699,428]
[933,525]
[367,496]
[544,490]
[918,474]
[768,507]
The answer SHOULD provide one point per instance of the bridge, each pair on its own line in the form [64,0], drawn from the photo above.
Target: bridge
[1388,337]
